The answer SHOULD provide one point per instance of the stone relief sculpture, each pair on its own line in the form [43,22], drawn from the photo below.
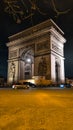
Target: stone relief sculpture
[42,46]
[12,71]
[42,67]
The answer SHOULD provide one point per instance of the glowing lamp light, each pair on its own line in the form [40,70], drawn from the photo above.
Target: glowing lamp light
[61,85]
[28,60]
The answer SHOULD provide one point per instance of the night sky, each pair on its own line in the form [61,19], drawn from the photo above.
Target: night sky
[61,12]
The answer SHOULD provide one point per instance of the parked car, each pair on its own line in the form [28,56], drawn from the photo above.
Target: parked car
[20,86]
[29,84]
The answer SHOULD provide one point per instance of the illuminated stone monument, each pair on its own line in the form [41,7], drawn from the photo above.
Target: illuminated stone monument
[37,51]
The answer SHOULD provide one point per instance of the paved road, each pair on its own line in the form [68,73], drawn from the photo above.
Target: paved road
[37,88]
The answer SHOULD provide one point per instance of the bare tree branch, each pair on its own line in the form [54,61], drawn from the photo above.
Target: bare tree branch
[20,11]
[35,7]
[57,11]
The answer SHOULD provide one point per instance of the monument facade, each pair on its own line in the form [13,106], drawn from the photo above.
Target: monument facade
[37,51]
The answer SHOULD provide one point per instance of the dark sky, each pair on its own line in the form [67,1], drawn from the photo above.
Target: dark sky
[61,11]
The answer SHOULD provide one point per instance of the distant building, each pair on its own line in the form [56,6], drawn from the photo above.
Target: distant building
[37,51]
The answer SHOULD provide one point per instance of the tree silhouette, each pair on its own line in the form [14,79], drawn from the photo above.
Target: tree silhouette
[57,11]
[21,10]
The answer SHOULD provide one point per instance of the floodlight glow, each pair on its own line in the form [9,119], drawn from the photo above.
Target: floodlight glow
[61,85]
[28,60]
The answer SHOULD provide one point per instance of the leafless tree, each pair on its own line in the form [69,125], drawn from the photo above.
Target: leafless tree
[20,10]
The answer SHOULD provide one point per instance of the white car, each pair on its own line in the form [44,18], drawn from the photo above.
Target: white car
[20,86]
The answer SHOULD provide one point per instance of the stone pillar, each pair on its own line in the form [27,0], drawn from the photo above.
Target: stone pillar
[53,74]
[21,69]
[62,71]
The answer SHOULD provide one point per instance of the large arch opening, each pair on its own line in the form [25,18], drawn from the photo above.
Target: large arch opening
[27,58]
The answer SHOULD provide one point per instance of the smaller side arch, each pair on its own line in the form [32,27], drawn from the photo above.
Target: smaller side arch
[57,71]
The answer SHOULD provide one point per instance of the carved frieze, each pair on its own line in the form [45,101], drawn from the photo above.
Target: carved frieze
[12,70]
[57,48]
[42,46]
[13,54]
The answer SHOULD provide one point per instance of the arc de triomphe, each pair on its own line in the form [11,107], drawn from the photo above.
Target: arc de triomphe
[37,51]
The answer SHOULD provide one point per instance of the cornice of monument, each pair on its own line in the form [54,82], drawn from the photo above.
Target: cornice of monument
[28,38]
[35,28]
[57,35]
